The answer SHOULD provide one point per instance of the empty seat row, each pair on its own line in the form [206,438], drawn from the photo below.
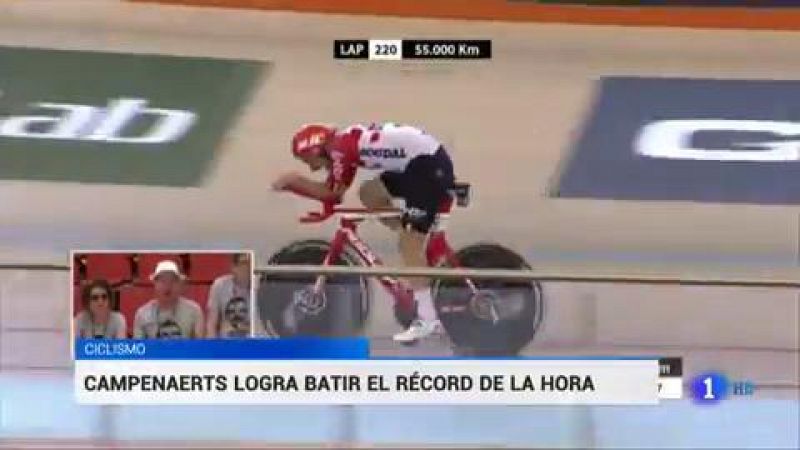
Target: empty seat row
[116,267]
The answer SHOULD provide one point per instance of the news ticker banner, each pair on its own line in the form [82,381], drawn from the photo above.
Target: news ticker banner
[412,49]
[340,371]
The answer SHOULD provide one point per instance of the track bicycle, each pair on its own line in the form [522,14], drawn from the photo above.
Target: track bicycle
[481,316]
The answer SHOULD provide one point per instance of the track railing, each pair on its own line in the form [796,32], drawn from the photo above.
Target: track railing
[774,277]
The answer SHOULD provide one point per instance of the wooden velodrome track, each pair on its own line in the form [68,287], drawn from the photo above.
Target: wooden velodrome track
[515,115]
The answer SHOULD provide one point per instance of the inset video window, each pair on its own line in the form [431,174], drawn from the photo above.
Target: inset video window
[162,295]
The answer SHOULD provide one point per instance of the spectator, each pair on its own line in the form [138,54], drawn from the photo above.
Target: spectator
[259,328]
[168,316]
[229,301]
[96,319]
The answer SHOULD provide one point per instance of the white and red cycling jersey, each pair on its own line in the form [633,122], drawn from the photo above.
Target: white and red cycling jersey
[386,147]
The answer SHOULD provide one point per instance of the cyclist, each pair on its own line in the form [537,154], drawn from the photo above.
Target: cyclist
[412,165]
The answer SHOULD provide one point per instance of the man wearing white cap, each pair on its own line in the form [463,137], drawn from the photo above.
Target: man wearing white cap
[168,316]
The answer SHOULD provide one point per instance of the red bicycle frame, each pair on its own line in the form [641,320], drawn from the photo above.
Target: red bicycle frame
[437,249]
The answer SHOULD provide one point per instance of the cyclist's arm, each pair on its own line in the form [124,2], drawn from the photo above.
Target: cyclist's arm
[344,164]
[318,190]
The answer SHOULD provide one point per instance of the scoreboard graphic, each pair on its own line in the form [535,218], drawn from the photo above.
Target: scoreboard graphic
[412,49]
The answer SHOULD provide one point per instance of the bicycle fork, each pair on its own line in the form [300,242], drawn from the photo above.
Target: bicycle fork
[337,247]
[344,236]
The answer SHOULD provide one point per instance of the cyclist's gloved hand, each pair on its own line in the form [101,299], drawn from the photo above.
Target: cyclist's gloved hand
[285,181]
[417,219]
[304,187]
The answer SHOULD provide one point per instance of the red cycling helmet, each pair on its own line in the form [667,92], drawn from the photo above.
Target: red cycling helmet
[310,140]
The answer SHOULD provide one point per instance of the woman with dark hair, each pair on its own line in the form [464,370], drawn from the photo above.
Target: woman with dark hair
[96,319]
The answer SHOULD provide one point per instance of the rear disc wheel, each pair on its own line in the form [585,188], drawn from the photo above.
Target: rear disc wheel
[501,317]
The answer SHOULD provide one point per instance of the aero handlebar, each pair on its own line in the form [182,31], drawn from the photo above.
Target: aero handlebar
[329,211]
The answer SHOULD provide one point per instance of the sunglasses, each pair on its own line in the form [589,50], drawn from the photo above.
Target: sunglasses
[99,296]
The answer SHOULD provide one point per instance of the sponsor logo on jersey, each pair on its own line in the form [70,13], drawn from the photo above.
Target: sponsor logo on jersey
[338,166]
[393,153]
[689,139]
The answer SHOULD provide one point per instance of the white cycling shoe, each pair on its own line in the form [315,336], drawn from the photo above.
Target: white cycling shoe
[419,329]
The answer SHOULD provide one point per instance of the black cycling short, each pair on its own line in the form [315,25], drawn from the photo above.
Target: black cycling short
[424,186]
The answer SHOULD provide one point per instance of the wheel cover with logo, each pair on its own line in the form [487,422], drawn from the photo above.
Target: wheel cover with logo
[471,327]
[288,306]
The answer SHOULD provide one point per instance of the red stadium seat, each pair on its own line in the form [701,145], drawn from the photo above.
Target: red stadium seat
[131,298]
[77,305]
[112,267]
[76,269]
[199,293]
[206,267]
[148,262]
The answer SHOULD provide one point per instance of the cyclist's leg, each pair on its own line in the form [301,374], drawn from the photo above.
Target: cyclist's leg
[411,244]
[419,216]
[375,194]
[412,239]
[428,179]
